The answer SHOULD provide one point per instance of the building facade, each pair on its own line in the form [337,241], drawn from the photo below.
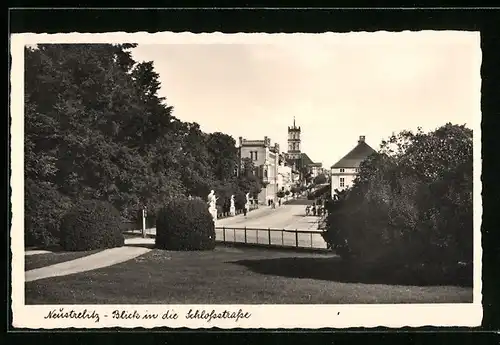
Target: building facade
[316,169]
[285,179]
[266,160]
[346,169]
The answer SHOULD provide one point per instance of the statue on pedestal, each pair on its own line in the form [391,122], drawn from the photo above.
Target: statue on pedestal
[232,209]
[247,203]
[212,208]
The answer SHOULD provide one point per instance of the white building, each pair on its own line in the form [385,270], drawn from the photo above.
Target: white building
[266,160]
[284,177]
[316,169]
[345,170]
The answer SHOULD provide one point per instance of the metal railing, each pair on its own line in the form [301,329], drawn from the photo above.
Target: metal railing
[282,238]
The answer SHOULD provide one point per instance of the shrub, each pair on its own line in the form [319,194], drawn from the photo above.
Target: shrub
[295,190]
[240,200]
[409,208]
[320,179]
[90,225]
[44,207]
[185,225]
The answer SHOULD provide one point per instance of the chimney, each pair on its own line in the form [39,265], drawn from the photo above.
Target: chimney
[361,139]
[241,141]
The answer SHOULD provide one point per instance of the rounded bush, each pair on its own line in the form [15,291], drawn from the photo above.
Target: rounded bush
[185,225]
[91,225]
[44,207]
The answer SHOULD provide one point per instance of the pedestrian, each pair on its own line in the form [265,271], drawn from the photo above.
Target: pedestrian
[279,202]
[273,204]
[245,211]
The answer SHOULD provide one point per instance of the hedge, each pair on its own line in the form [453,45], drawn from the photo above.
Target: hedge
[91,225]
[185,225]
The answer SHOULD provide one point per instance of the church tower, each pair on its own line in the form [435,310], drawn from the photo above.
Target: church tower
[293,141]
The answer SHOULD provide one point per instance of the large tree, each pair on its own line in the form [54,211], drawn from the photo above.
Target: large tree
[96,128]
[411,203]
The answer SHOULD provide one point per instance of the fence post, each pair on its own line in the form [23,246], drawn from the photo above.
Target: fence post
[223,234]
[296,238]
[282,237]
[256,236]
[234,235]
[245,234]
[311,239]
[269,235]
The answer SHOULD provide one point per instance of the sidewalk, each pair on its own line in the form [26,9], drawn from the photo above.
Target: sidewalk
[36,251]
[102,259]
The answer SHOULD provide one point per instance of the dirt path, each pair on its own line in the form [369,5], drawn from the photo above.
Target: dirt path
[105,258]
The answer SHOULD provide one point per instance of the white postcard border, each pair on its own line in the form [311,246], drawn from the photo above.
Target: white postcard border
[261,316]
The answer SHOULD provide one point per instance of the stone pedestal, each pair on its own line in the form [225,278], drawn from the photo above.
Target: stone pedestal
[213,212]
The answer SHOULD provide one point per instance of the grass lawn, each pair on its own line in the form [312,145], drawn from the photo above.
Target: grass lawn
[41,260]
[233,276]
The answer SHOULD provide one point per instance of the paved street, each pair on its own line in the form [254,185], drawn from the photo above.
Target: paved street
[288,217]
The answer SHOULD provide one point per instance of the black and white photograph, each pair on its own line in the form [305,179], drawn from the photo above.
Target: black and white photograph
[246,180]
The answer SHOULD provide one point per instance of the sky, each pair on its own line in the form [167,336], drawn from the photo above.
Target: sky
[337,86]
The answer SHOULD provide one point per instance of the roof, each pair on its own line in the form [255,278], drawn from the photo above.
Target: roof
[354,158]
[305,159]
[319,165]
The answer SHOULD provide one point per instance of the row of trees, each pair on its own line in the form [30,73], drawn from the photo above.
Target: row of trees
[411,204]
[95,128]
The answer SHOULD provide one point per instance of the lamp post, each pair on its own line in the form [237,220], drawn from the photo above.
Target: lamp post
[144,222]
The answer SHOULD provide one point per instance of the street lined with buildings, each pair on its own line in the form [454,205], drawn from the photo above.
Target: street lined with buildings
[280,171]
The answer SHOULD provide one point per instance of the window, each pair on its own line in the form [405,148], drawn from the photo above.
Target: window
[342,170]
[356,170]
[253,155]
[342,182]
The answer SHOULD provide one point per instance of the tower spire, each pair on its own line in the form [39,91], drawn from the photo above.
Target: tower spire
[294,122]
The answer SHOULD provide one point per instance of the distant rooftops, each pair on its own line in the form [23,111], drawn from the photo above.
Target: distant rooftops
[358,154]
[260,143]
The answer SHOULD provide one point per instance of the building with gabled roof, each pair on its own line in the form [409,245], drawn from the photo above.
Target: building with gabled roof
[346,169]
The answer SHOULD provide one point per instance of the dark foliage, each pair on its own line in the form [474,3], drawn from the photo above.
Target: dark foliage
[96,128]
[89,225]
[411,204]
[185,225]
[43,208]
[320,179]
